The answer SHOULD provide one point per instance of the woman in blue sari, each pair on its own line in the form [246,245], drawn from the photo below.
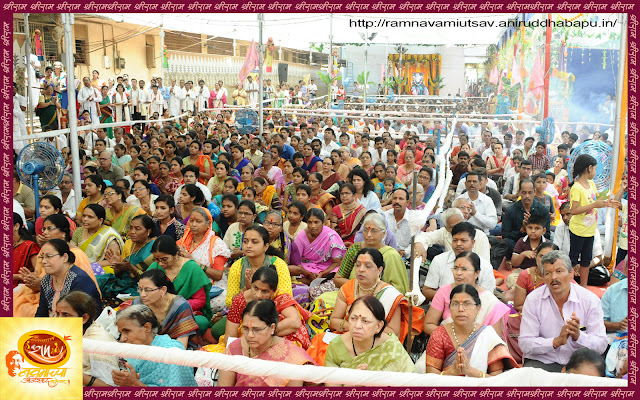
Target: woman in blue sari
[138,325]
[310,159]
[136,255]
[239,162]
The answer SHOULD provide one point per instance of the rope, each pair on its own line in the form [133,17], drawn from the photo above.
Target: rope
[333,376]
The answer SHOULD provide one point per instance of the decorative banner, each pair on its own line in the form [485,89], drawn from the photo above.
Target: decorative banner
[250,63]
[515,73]
[493,78]
[43,358]
[429,65]
[536,83]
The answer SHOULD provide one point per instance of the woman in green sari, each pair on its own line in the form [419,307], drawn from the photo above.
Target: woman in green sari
[48,106]
[136,255]
[187,276]
[374,231]
[106,112]
[119,212]
[365,346]
[102,244]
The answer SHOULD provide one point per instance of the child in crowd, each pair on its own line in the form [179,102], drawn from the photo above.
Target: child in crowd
[524,252]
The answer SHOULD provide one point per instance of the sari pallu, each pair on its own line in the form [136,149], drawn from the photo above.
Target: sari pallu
[26,300]
[395,272]
[393,301]
[270,198]
[309,165]
[48,114]
[122,221]
[322,199]
[142,258]
[316,257]
[387,356]
[106,114]
[330,181]
[349,223]
[95,246]
[179,322]
[285,351]
[484,348]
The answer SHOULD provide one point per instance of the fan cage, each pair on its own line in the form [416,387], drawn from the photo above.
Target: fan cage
[47,155]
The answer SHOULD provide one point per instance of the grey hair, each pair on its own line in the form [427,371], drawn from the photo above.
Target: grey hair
[141,314]
[201,211]
[450,212]
[277,213]
[458,200]
[377,219]
[555,255]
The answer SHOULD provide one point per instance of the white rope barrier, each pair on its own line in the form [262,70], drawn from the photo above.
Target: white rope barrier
[335,376]
[92,127]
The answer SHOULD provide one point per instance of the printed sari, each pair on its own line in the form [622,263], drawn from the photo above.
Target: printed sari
[122,221]
[237,282]
[285,351]
[349,222]
[395,271]
[315,257]
[26,300]
[179,322]
[484,348]
[106,114]
[393,301]
[48,114]
[283,301]
[22,256]
[96,246]
[322,199]
[387,356]
[330,181]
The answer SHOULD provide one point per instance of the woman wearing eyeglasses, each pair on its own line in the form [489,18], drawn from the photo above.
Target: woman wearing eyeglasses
[49,204]
[188,278]
[61,277]
[466,269]
[172,310]
[367,345]
[464,347]
[27,297]
[260,341]
[374,232]
[144,199]
[278,238]
[119,212]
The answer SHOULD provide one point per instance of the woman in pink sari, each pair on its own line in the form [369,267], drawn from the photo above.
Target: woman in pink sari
[217,98]
[317,251]
[259,340]
[466,269]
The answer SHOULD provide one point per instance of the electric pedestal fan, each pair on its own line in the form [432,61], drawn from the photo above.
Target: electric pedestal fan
[246,121]
[602,152]
[41,167]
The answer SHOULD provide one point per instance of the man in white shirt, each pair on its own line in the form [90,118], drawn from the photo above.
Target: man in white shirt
[156,104]
[404,223]
[410,127]
[191,173]
[135,99]
[89,99]
[252,90]
[313,89]
[202,95]
[450,218]
[328,144]
[440,270]
[190,98]
[19,118]
[379,153]
[176,95]
[483,211]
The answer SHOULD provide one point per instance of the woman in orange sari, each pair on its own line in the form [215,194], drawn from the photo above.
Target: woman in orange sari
[319,197]
[266,194]
[27,297]
[350,214]
[291,316]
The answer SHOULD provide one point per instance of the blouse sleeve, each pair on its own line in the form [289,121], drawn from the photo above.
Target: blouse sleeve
[198,300]
[438,301]
[235,311]
[347,262]
[435,349]
[233,284]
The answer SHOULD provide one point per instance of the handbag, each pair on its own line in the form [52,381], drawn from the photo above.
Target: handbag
[107,320]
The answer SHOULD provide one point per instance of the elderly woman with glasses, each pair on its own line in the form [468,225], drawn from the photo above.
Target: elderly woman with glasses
[139,325]
[261,341]
[119,213]
[463,347]
[62,277]
[374,232]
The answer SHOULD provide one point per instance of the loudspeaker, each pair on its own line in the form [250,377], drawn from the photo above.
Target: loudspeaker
[282,72]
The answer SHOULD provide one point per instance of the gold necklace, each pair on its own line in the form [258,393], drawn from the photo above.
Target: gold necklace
[453,328]
[365,291]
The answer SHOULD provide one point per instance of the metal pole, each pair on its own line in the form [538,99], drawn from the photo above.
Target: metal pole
[162,50]
[260,104]
[28,65]
[617,139]
[366,59]
[411,266]
[72,112]
[330,94]
[547,66]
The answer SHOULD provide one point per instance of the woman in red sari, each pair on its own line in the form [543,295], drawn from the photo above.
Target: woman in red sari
[25,249]
[319,197]
[291,316]
[350,214]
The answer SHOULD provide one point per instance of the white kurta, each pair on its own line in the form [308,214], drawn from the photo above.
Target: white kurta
[157,104]
[19,121]
[189,100]
[121,111]
[175,98]
[89,99]
[252,96]
[202,95]
[134,98]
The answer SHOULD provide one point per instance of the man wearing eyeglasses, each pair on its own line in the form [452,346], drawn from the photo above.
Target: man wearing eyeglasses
[107,169]
[68,196]
[440,273]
